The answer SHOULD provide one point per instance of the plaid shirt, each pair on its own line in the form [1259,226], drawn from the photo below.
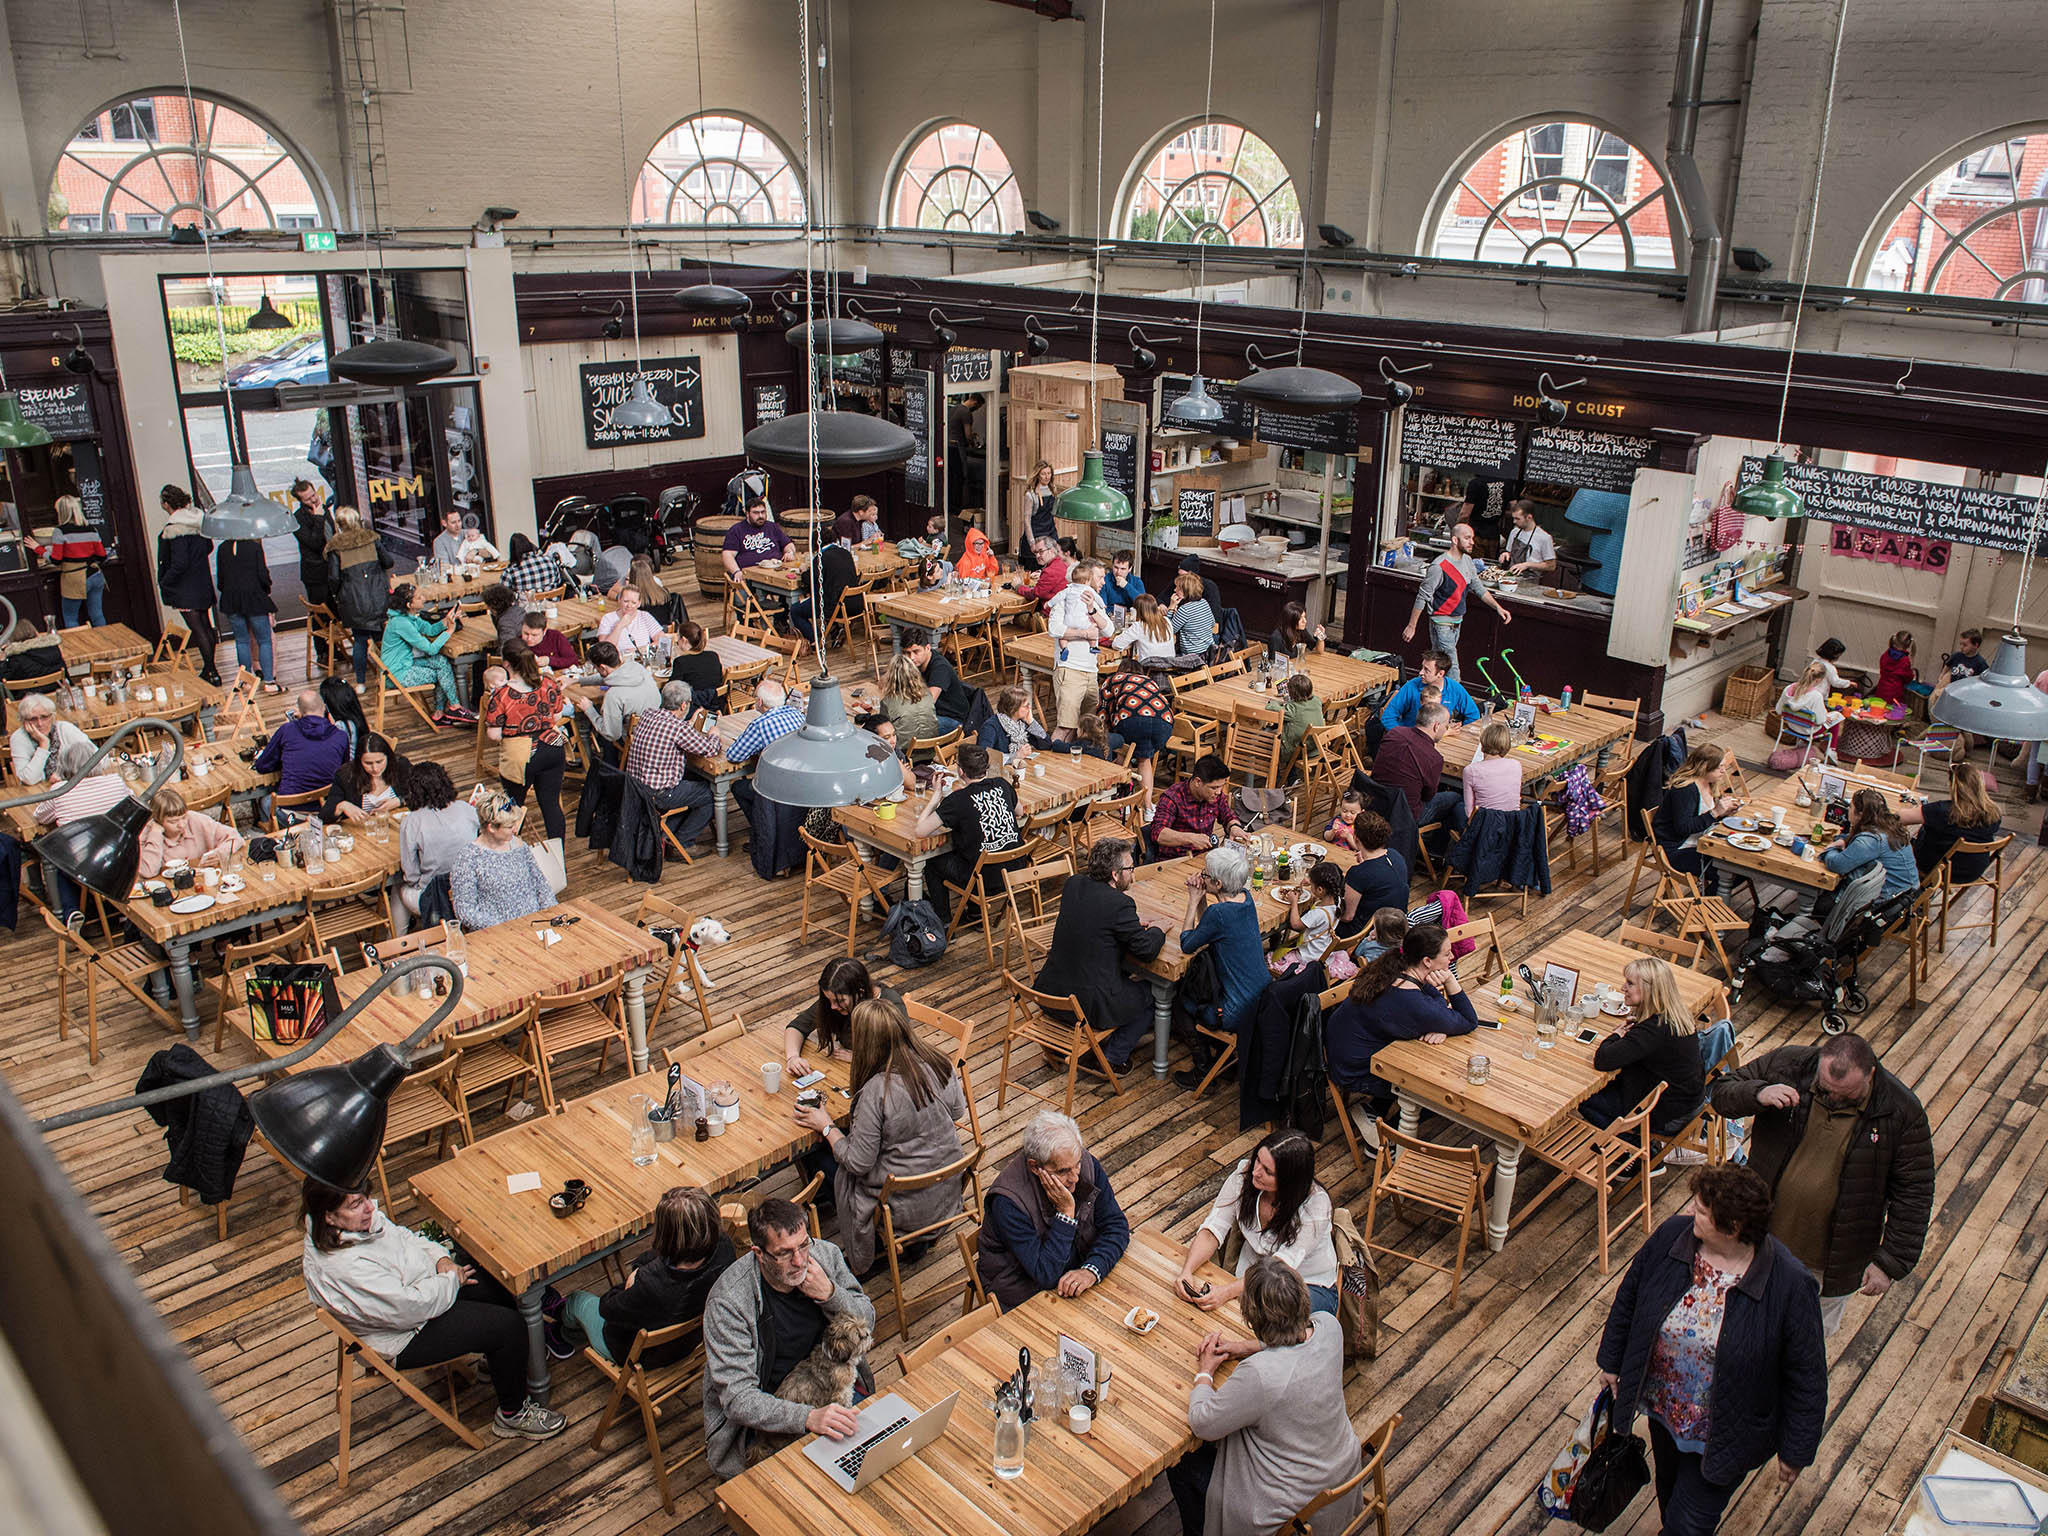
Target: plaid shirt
[777,723]
[1178,811]
[537,572]
[661,739]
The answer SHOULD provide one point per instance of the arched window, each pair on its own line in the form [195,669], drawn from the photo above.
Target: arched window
[1561,194]
[956,177]
[715,168]
[1214,183]
[145,163]
[1978,227]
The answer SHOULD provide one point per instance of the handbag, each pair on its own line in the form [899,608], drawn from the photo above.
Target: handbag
[548,855]
[1358,1288]
[1614,1472]
[290,1003]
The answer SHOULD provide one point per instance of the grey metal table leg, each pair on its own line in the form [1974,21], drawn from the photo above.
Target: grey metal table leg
[536,1342]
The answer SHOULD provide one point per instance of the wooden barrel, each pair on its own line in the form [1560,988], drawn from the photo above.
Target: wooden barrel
[709,533]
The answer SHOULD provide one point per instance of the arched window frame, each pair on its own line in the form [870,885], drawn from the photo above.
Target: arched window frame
[1558,184]
[1965,199]
[200,149]
[1207,188]
[734,167]
[989,193]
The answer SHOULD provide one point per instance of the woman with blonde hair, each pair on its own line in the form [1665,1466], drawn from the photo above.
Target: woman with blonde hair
[907,700]
[1654,1044]
[666,606]
[906,1102]
[1194,621]
[1969,815]
[497,879]
[359,583]
[174,831]
[1149,635]
[1493,781]
[1039,496]
[77,553]
[1808,693]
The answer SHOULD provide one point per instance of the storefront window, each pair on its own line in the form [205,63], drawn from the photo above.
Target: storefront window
[957,177]
[1978,229]
[1561,194]
[717,169]
[1213,184]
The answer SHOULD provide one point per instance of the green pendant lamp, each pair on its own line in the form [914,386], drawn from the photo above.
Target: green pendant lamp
[1770,496]
[16,430]
[1092,499]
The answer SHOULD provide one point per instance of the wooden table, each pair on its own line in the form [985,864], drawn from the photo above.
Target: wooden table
[721,771]
[100,717]
[743,662]
[522,1244]
[105,645]
[870,563]
[1781,864]
[460,587]
[1584,731]
[1601,961]
[939,611]
[1070,1482]
[1340,682]
[1035,655]
[223,760]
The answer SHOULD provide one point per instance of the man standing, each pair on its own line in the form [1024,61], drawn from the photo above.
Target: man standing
[662,741]
[1076,620]
[1445,590]
[1409,761]
[754,540]
[1531,550]
[1846,1149]
[1097,932]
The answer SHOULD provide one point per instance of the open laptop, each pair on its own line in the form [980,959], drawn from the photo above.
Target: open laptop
[889,1431]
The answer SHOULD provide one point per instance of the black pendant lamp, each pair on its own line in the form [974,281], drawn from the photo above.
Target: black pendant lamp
[329,1123]
[714,300]
[267,318]
[1302,391]
[835,334]
[99,852]
[849,444]
[391,362]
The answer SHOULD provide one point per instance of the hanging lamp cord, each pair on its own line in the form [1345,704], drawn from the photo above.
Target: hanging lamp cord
[1315,143]
[1095,301]
[1820,166]
[1202,246]
[220,325]
[810,322]
[626,169]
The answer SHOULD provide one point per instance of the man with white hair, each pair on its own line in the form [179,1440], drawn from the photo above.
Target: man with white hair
[663,741]
[40,737]
[1051,1222]
[1222,918]
[777,718]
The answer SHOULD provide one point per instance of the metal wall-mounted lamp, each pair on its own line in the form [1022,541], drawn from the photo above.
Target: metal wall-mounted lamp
[1143,358]
[1550,410]
[942,329]
[1399,390]
[1036,332]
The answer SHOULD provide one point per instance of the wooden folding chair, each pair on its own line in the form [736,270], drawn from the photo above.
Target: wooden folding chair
[1374,1508]
[1595,1157]
[1191,738]
[501,1055]
[837,869]
[240,710]
[1060,1026]
[1992,880]
[1031,901]
[958,1032]
[1252,746]
[1327,757]
[1911,929]
[734,1028]
[977,890]
[291,943]
[353,908]
[1115,817]
[843,616]
[656,911]
[426,1103]
[908,1360]
[347,1349]
[653,1388]
[1481,931]
[592,1015]
[311,797]
[972,1292]
[387,685]
[174,651]
[126,965]
[942,748]
[1678,896]
[323,623]
[1651,942]
[894,1243]
[966,642]
[1448,1180]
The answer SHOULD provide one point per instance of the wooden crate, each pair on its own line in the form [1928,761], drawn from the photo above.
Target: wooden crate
[1750,692]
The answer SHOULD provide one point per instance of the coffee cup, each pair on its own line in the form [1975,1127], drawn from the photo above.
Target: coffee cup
[209,879]
[575,1189]
[160,895]
[771,1077]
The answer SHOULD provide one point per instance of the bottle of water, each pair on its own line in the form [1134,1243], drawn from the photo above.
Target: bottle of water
[1009,1448]
[1564,698]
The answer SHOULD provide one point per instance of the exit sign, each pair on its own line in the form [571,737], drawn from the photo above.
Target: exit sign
[317,240]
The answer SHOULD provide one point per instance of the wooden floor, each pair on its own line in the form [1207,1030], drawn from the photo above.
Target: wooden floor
[1488,1389]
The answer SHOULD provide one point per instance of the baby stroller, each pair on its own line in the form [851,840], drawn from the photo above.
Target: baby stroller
[1802,962]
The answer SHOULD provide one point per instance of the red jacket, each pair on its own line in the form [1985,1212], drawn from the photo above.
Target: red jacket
[1050,580]
[1894,671]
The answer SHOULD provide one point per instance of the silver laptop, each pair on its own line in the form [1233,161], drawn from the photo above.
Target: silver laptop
[889,1431]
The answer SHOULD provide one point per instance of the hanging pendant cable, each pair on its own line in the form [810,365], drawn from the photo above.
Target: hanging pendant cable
[626,168]
[810,322]
[1315,143]
[1202,243]
[1820,168]
[213,284]
[1095,303]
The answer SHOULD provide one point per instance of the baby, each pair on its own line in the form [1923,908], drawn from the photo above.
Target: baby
[1339,832]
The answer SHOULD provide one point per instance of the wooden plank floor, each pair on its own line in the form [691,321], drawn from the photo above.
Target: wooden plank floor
[1488,1389]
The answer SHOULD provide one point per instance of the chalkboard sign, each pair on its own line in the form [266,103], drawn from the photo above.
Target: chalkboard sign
[970,365]
[1472,443]
[678,383]
[1120,460]
[1916,508]
[1334,433]
[62,410]
[854,367]
[918,386]
[1591,461]
[902,362]
[1194,507]
[88,472]
[771,403]
[1239,416]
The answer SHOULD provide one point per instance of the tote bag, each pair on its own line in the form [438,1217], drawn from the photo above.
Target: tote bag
[290,1003]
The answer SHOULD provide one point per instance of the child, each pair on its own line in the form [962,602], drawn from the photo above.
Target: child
[1318,924]
[1091,735]
[1895,669]
[1339,832]
[1302,710]
[1389,928]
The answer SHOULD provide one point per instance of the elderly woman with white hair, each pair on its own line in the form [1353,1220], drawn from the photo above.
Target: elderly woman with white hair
[1051,1222]
[40,739]
[1223,918]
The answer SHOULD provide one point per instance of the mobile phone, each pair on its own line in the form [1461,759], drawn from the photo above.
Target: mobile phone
[809,1078]
[1489,1023]
[847,1093]
[1587,1036]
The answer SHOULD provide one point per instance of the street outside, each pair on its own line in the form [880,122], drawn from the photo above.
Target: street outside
[277,454]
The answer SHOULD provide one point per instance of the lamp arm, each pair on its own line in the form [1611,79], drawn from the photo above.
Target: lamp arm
[341,1021]
[163,775]
[13,618]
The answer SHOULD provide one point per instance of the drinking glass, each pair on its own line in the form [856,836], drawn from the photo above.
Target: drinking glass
[640,1144]
[1546,1034]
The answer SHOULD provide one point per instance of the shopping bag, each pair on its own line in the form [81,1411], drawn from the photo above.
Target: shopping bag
[290,1003]
[1614,1471]
[1358,1289]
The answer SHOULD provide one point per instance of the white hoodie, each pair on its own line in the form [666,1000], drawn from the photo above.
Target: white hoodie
[381,1283]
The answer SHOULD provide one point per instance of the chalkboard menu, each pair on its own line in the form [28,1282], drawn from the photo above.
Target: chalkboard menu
[918,386]
[62,410]
[1592,461]
[1239,416]
[854,367]
[1466,443]
[901,361]
[1194,508]
[90,476]
[1120,460]
[678,383]
[1916,508]
[771,403]
[1334,433]
[970,365]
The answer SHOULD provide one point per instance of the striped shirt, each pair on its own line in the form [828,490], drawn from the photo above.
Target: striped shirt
[87,797]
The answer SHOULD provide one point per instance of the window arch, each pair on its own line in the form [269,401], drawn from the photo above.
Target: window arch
[149,161]
[718,168]
[955,177]
[1976,226]
[1212,182]
[1561,193]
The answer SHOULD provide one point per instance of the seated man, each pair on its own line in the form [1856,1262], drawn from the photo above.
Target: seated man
[629,689]
[953,699]
[550,647]
[307,751]
[1052,573]
[662,739]
[1433,672]
[763,1317]
[1097,931]
[1408,761]
[1195,814]
[778,717]
[755,539]
[1051,1221]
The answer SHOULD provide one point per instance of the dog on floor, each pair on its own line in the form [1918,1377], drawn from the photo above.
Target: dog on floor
[822,1378]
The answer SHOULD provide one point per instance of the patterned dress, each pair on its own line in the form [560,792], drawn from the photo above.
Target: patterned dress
[1679,1388]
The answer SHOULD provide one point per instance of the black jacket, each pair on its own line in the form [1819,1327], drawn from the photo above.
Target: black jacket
[244,577]
[1504,846]
[614,813]
[1656,1051]
[1886,1195]
[313,529]
[1282,1049]
[181,571]
[207,1132]
[1393,806]
[1770,1387]
[1097,934]
[1643,789]
[1681,815]
[659,1297]
[356,579]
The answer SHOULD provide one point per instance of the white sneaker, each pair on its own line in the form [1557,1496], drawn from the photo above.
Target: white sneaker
[1685,1156]
[531,1422]
[1368,1127]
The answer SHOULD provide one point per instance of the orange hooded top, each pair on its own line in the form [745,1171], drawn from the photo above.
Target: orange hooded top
[976,562]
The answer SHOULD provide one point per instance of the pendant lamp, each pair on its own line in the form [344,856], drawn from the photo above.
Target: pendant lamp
[835,335]
[245,512]
[829,761]
[712,299]
[2001,702]
[1770,496]
[329,1122]
[849,444]
[640,409]
[16,430]
[1093,499]
[1197,408]
[392,362]
[1303,391]
[267,318]
[99,852]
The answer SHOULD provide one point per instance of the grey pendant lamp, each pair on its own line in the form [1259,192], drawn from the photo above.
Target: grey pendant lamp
[245,512]
[2002,701]
[1198,409]
[267,317]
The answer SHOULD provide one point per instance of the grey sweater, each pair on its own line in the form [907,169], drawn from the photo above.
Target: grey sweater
[430,840]
[1285,1436]
[489,886]
[736,1354]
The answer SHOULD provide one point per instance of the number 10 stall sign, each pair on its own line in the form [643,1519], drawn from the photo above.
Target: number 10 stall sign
[676,382]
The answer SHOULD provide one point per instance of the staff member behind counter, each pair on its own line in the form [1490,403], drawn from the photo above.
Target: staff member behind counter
[1530,548]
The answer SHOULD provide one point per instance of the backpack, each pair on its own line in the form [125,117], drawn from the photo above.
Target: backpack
[915,934]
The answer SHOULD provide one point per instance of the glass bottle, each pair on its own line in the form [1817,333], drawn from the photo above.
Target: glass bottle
[1008,1458]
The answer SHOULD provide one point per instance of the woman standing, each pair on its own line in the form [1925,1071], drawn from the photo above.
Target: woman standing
[1695,797]
[906,1100]
[372,783]
[1969,815]
[1138,712]
[1655,1044]
[184,577]
[908,702]
[496,879]
[77,554]
[1278,1430]
[1409,993]
[1281,1212]
[357,567]
[411,648]
[244,577]
[525,716]
[1039,497]
[1716,1314]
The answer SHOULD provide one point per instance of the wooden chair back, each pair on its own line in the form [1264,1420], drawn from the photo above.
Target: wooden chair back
[1448,1180]
[657,911]
[418,942]
[1373,1508]
[1482,933]
[1993,880]
[958,1033]
[734,1028]
[972,1293]
[1651,942]
[1252,745]
[292,942]
[963,1328]
[349,1349]
[1615,706]
[296,802]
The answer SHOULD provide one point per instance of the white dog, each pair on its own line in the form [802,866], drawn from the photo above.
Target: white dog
[705,933]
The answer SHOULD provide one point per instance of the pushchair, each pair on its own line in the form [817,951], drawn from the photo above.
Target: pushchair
[1817,966]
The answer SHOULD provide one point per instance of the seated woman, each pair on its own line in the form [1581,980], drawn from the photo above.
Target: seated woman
[31,654]
[40,739]
[371,784]
[497,879]
[1275,1203]
[666,1285]
[1277,1433]
[1874,835]
[906,1098]
[908,701]
[1695,797]
[1408,993]
[1378,879]
[629,626]
[411,650]
[431,838]
[404,1297]
[1655,1044]
[174,832]
[1493,780]
[1011,730]
[532,570]
[843,985]
[1149,636]
[1969,815]
[345,709]
[664,606]
[1222,915]
[1194,621]
[1138,712]
[1294,633]
[699,666]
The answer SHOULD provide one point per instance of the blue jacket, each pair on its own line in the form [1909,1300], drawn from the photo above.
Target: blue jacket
[1357,1030]
[1125,596]
[1400,709]
[1509,847]
[1901,870]
[1233,927]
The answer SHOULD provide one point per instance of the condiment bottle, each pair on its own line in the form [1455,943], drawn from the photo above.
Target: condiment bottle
[703,1129]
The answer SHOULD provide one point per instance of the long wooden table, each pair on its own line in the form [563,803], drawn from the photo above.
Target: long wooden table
[1340,683]
[522,1244]
[1070,1482]
[104,645]
[939,611]
[1767,794]
[99,717]
[1584,731]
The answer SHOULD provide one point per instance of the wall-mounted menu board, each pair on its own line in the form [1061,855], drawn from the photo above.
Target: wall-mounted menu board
[1239,416]
[1918,508]
[86,470]
[63,409]
[1334,433]
[677,382]
[1479,444]
[1194,505]
[918,386]
[771,403]
[970,365]
[1123,445]
[1592,461]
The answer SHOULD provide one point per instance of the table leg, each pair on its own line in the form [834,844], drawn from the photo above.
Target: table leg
[895,638]
[536,1342]
[1162,1023]
[721,797]
[182,979]
[636,1016]
[1507,1156]
[206,722]
[913,876]
[1409,1119]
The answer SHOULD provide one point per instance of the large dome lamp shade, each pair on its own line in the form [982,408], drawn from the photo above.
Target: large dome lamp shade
[99,852]
[2001,702]
[712,299]
[1092,499]
[1301,391]
[849,444]
[835,335]
[829,761]
[245,512]
[329,1123]
[391,362]
[1770,496]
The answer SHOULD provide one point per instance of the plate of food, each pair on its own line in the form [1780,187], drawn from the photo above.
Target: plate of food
[1739,823]
[1313,853]
[1286,893]
[1141,1319]
[1750,842]
[190,904]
